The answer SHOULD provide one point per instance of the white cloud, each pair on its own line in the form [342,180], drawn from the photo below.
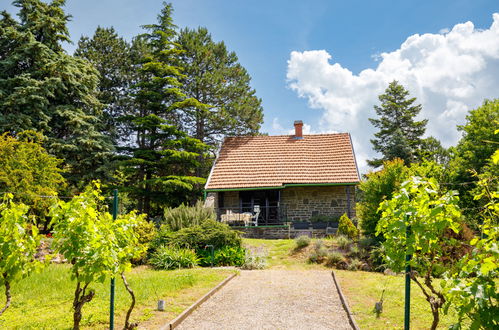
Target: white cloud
[449,73]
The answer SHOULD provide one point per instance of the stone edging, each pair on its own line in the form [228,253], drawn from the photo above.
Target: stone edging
[175,322]
[344,302]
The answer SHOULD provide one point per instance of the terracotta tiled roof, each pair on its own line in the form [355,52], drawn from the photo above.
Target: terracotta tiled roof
[273,161]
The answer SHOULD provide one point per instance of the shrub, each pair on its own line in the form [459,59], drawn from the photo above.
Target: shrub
[317,256]
[335,259]
[187,216]
[346,227]
[366,243]
[354,251]
[343,242]
[173,258]
[355,264]
[255,259]
[197,237]
[302,241]
[379,186]
[319,244]
[323,218]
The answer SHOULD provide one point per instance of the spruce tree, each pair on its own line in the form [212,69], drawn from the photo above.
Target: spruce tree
[161,163]
[44,89]
[399,134]
[111,55]
[214,77]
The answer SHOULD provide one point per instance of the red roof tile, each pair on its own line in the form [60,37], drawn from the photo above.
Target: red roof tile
[273,161]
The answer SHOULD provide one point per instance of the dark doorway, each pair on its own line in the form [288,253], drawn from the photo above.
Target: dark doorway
[268,200]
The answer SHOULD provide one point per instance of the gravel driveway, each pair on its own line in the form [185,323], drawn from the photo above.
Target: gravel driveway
[273,299]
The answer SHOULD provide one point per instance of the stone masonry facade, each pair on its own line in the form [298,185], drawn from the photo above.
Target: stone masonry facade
[302,203]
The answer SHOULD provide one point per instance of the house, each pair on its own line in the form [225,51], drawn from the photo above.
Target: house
[268,180]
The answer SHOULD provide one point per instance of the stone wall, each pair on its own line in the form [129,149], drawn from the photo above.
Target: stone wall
[301,203]
[281,232]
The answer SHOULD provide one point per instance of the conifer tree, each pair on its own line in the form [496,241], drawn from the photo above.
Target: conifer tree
[399,134]
[214,76]
[111,55]
[44,89]
[162,162]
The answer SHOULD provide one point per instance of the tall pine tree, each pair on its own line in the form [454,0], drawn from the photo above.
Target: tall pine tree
[399,134]
[162,162]
[214,77]
[111,55]
[44,89]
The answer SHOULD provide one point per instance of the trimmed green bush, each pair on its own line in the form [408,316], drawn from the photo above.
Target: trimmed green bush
[197,237]
[347,228]
[187,216]
[173,258]
[323,218]
[302,241]
[226,256]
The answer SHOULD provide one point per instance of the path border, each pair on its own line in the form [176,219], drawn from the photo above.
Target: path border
[176,321]
[344,303]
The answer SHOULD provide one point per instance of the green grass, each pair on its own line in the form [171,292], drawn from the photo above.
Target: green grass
[44,300]
[363,290]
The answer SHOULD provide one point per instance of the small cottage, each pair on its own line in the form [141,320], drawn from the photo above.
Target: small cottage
[268,180]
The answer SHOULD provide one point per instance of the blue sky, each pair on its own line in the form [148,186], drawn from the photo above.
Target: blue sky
[334,43]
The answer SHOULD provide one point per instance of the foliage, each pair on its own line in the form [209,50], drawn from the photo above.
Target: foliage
[18,243]
[162,163]
[355,264]
[187,216]
[432,150]
[323,218]
[112,56]
[472,288]
[377,187]
[319,253]
[173,258]
[255,259]
[198,237]
[347,228]
[29,171]
[302,241]
[95,245]
[343,242]
[413,223]
[473,152]
[225,256]
[336,259]
[44,89]
[213,76]
[399,135]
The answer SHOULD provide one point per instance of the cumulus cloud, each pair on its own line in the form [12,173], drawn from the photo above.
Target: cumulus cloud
[450,73]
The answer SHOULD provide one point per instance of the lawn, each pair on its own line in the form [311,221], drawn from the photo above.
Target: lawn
[362,289]
[44,300]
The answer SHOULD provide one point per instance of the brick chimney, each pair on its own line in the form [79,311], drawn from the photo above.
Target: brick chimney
[298,129]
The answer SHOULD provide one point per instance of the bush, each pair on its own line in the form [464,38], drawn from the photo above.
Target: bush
[255,260]
[302,241]
[347,228]
[319,253]
[323,218]
[335,259]
[366,243]
[226,256]
[173,258]
[354,251]
[343,242]
[187,216]
[146,231]
[355,264]
[197,237]
[379,186]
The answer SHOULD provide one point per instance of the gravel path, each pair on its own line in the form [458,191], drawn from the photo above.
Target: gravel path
[272,299]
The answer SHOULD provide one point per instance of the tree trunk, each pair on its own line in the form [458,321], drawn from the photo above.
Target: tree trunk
[129,326]
[78,302]
[7,294]
[436,317]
